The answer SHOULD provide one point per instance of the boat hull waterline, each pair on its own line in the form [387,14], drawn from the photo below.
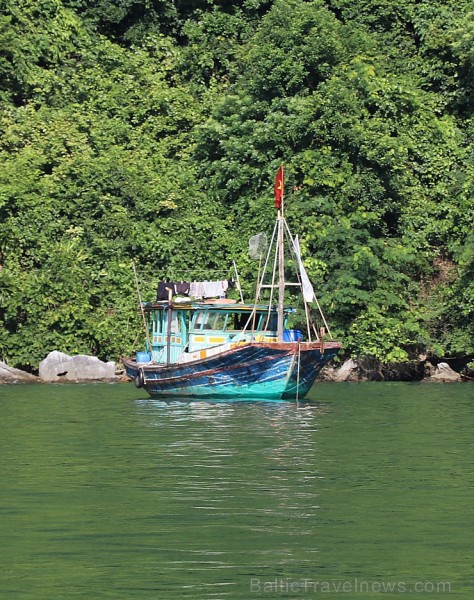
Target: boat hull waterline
[252,370]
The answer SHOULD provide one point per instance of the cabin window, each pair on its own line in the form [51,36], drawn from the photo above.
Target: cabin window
[175,322]
[217,321]
[239,321]
[198,320]
[270,323]
[210,320]
[156,322]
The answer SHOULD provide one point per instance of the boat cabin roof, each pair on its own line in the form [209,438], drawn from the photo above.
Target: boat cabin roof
[212,305]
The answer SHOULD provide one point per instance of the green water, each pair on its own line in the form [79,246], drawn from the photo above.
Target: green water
[105,493]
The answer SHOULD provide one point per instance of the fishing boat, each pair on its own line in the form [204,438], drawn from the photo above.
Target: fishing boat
[222,348]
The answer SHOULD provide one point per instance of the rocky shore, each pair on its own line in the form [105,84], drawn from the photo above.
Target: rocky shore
[59,367]
[366,369]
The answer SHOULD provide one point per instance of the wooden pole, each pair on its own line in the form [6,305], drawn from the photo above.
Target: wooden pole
[169,313]
[147,333]
[257,294]
[238,282]
[281,277]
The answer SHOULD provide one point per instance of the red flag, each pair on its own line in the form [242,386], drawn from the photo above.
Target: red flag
[279,184]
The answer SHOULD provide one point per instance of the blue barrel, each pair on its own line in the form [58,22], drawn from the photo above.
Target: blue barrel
[292,335]
[143,357]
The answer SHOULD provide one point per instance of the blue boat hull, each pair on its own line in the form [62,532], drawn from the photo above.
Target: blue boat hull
[256,370]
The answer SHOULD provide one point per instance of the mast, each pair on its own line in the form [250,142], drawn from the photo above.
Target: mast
[279,202]
[281,276]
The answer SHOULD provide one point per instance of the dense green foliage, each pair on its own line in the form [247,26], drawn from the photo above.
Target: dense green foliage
[152,130]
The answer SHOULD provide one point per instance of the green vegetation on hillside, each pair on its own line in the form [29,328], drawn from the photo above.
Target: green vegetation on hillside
[152,131]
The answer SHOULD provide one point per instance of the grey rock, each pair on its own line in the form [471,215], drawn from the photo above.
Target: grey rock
[348,371]
[327,373]
[441,372]
[12,375]
[58,366]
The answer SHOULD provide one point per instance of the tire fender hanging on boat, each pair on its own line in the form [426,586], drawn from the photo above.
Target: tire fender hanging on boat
[140,379]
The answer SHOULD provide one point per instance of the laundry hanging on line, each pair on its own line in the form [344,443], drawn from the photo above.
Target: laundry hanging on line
[195,289]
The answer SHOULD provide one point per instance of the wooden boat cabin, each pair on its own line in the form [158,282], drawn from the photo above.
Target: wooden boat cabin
[179,332]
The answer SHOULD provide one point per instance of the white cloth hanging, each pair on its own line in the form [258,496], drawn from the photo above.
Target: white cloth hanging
[308,292]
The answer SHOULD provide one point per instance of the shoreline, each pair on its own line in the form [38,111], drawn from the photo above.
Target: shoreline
[61,368]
